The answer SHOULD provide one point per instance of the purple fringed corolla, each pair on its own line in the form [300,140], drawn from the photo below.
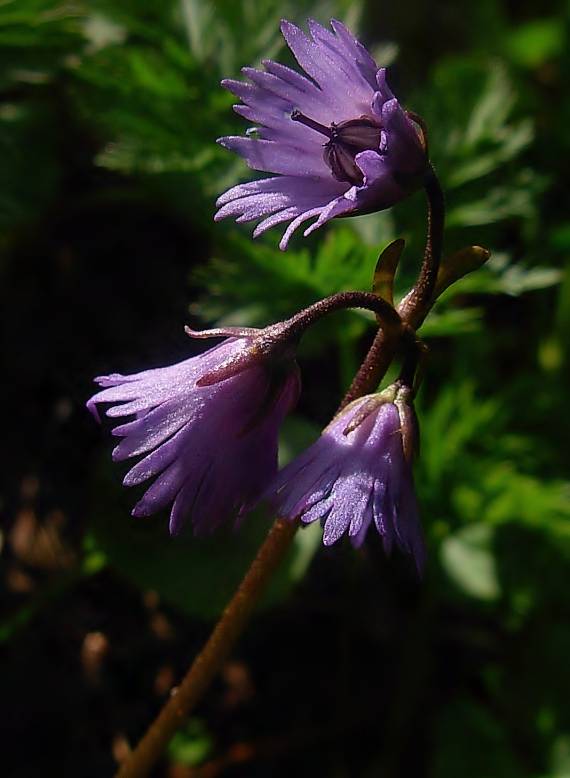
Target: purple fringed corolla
[358,473]
[206,427]
[338,139]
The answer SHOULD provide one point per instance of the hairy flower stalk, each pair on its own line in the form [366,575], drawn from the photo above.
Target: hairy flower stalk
[337,137]
[416,305]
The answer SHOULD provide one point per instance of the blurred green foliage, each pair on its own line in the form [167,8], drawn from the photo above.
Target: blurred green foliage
[129,90]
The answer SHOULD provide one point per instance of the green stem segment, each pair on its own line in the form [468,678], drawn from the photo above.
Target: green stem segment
[206,665]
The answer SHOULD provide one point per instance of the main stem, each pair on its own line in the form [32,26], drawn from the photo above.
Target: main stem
[412,310]
[214,653]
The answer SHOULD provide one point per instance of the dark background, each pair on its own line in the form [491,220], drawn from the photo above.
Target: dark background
[108,116]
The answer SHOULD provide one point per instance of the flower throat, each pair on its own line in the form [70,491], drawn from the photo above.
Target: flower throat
[346,140]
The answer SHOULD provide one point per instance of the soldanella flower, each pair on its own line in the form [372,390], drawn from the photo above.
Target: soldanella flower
[337,138]
[206,428]
[358,474]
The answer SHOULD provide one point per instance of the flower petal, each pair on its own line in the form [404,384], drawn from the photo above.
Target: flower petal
[210,449]
[276,157]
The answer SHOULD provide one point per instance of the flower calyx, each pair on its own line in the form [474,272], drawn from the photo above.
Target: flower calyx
[371,404]
[399,395]
[273,345]
[409,427]
[421,128]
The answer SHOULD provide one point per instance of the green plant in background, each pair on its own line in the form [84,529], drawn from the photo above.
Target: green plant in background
[142,84]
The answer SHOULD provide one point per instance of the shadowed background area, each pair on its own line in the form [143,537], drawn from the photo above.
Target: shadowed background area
[108,115]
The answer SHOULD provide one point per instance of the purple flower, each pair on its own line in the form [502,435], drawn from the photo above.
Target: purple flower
[357,473]
[207,429]
[338,139]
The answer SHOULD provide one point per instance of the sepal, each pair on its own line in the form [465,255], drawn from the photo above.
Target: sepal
[383,280]
[408,422]
[464,261]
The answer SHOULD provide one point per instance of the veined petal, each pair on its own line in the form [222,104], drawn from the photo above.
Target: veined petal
[157,461]
[254,206]
[295,224]
[350,497]
[345,89]
[279,127]
[338,207]
[305,52]
[275,157]
[293,187]
[305,99]
[210,449]
[355,49]
[277,218]
[344,61]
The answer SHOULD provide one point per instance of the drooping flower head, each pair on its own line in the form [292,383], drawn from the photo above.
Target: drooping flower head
[358,474]
[337,138]
[206,428]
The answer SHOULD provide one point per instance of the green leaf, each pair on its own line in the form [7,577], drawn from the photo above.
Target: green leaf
[452,322]
[25,194]
[561,758]
[35,38]
[197,575]
[472,742]
[516,199]
[536,42]
[192,744]
[467,557]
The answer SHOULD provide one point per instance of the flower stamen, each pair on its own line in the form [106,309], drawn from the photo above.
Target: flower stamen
[297,116]
[346,140]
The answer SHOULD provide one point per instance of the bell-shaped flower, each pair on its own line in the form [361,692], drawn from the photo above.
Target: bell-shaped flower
[206,428]
[337,138]
[358,474]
